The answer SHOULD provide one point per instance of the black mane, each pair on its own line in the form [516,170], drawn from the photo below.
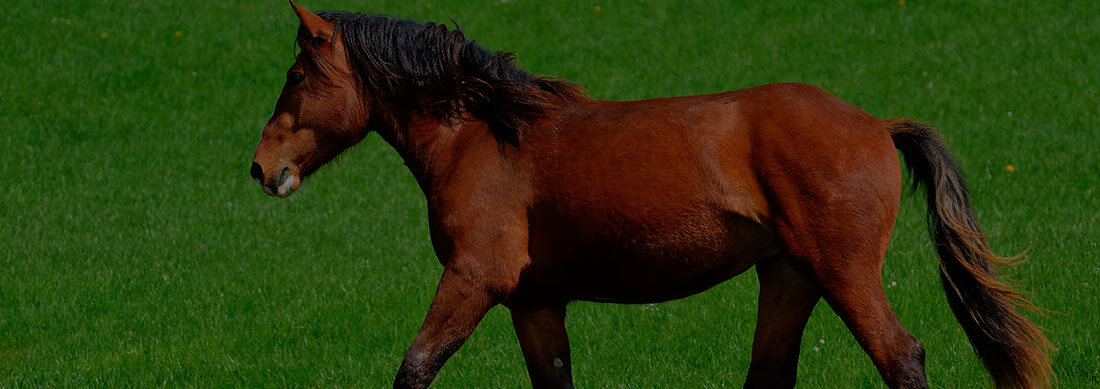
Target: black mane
[430,66]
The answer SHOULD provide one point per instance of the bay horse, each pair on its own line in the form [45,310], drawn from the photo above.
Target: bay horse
[539,195]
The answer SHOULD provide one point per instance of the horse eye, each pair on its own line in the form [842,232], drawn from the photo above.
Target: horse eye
[295,78]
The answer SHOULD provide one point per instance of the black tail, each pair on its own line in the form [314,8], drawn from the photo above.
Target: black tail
[1013,349]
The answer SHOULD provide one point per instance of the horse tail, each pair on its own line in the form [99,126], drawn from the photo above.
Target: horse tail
[1012,348]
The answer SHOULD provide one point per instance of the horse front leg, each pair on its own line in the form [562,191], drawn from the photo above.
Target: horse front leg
[457,308]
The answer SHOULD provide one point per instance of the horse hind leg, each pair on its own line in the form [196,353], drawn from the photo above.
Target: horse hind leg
[786,301]
[849,275]
[862,305]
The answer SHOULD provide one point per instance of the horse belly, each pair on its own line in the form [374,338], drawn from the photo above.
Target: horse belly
[651,280]
[648,263]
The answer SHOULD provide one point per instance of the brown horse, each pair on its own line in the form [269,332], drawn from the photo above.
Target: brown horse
[538,195]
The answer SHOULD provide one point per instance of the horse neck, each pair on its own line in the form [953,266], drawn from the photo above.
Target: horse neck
[426,144]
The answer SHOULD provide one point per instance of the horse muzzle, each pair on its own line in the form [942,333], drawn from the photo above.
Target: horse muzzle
[279,183]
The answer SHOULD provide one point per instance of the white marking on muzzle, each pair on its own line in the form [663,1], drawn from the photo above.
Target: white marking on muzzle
[284,188]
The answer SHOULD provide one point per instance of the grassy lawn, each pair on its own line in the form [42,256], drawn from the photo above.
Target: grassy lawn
[136,251]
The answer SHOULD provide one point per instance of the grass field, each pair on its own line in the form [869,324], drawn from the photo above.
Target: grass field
[135,250]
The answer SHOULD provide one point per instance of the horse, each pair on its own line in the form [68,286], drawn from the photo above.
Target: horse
[539,195]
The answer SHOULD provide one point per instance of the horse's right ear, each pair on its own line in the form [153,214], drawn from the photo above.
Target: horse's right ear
[316,27]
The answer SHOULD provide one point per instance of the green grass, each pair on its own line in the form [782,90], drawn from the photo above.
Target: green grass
[136,251]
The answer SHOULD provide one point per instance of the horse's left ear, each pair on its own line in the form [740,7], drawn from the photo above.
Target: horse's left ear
[316,27]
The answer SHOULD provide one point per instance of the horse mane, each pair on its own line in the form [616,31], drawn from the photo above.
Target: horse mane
[430,66]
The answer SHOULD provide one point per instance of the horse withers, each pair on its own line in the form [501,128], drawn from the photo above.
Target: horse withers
[539,195]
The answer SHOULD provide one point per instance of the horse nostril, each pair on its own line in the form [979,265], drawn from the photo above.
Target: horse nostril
[257,172]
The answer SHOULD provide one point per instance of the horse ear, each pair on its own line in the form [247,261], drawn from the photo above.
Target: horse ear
[316,27]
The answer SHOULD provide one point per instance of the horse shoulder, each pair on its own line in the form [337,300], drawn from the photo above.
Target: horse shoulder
[477,217]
